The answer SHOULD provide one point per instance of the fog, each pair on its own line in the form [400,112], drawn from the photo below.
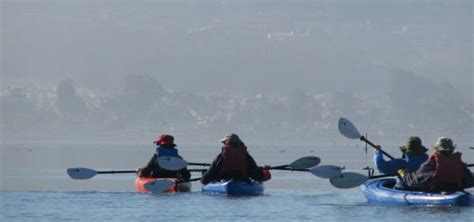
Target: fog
[273,71]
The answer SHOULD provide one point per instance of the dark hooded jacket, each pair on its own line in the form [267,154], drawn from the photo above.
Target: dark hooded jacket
[152,169]
[215,173]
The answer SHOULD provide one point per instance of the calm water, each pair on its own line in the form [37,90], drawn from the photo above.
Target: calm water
[276,205]
[35,187]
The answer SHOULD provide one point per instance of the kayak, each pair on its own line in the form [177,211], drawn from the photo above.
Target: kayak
[380,192]
[180,187]
[233,188]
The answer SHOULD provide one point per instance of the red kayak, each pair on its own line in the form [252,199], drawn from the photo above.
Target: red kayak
[141,181]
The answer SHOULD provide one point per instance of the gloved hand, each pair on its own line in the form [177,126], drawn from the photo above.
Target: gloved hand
[266,167]
[402,172]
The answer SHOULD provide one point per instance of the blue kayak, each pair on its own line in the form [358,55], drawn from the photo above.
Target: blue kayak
[380,192]
[233,188]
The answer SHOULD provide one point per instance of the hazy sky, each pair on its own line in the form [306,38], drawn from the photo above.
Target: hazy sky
[252,46]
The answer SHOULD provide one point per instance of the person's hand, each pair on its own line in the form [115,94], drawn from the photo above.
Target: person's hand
[402,172]
[378,147]
[266,167]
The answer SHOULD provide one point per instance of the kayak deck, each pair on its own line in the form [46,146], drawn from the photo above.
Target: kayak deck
[234,188]
[380,192]
[141,181]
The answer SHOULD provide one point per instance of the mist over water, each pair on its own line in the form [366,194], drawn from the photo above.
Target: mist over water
[272,71]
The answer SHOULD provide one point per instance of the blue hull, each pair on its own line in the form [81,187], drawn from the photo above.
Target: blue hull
[379,192]
[233,188]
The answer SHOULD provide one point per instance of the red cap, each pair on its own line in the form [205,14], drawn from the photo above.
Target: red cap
[164,139]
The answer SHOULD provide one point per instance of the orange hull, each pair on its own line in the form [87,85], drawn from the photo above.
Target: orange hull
[141,181]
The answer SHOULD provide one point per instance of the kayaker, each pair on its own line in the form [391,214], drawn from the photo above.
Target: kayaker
[443,172]
[234,162]
[413,155]
[165,147]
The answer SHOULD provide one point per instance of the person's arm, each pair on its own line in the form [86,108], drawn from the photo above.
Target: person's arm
[253,170]
[147,170]
[468,179]
[184,174]
[387,167]
[213,172]
[421,176]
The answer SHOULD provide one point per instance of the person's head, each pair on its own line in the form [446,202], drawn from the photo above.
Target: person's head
[444,145]
[231,139]
[164,140]
[414,146]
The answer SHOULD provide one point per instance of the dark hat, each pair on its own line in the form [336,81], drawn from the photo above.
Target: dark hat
[444,144]
[231,138]
[164,139]
[413,146]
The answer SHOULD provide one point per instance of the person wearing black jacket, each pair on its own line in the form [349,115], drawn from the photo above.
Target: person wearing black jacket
[165,147]
[234,162]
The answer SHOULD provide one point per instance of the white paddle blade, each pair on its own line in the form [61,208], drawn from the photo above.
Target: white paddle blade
[159,186]
[171,163]
[327,171]
[348,180]
[80,173]
[347,129]
[305,162]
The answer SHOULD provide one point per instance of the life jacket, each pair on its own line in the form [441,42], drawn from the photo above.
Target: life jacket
[234,162]
[449,172]
[165,151]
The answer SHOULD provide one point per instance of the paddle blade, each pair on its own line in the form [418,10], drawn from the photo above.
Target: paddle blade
[327,171]
[171,163]
[159,186]
[305,162]
[80,173]
[348,180]
[347,129]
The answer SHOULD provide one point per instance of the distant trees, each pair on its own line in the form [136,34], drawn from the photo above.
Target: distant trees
[143,107]
[17,112]
[428,104]
[68,102]
[141,96]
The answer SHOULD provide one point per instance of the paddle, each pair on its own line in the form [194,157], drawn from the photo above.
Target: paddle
[348,129]
[160,186]
[301,163]
[176,163]
[350,179]
[81,173]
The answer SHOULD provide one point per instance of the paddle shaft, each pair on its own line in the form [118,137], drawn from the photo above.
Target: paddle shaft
[290,169]
[199,164]
[391,175]
[134,171]
[374,146]
[116,171]
[190,180]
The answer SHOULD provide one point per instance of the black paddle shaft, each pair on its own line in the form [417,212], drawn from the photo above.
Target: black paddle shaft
[116,171]
[374,146]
